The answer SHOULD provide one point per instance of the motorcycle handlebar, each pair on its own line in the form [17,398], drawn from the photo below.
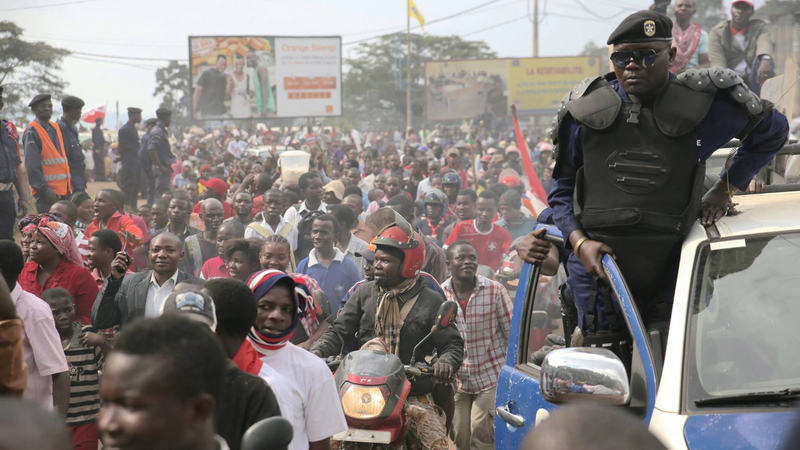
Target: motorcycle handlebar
[416,371]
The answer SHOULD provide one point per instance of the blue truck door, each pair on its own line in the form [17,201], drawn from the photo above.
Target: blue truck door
[519,405]
[518,402]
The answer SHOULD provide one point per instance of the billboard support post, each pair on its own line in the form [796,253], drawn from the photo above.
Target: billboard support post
[408,69]
[535,28]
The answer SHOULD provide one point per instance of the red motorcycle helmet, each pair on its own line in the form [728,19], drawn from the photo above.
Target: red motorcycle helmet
[511,181]
[412,246]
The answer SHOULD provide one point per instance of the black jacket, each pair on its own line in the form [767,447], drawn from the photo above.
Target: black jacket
[358,315]
[246,400]
[120,301]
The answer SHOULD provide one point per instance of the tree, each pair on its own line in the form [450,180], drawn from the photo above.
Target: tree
[27,69]
[172,84]
[374,82]
[601,51]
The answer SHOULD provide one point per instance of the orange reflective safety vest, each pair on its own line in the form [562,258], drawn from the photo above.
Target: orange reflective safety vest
[54,162]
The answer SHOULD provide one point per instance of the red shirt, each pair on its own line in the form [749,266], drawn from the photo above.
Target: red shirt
[76,279]
[491,246]
[214,268]
[117,223]
[247,359]
[258,206]
[228,211]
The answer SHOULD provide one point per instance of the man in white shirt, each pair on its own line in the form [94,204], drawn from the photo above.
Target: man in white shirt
[271,222]
[126,297]
[48,372]
[303,385]
[310,185]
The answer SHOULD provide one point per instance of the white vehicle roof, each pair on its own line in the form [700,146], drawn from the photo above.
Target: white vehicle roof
[762,213]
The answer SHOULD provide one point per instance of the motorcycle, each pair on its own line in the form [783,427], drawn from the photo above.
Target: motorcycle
[374,387]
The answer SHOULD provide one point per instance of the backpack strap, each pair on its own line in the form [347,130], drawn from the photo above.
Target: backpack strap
[407,307]
[261,229]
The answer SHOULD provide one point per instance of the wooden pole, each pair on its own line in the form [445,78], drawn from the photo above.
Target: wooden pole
[408,69]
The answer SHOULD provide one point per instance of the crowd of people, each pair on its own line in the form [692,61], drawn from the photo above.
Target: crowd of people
[203,295]
[269,264]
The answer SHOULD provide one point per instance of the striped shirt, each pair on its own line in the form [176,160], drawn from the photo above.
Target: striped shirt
[84,365]
[484,324]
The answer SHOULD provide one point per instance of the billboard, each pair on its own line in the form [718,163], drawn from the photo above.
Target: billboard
[475,88]
[257,77]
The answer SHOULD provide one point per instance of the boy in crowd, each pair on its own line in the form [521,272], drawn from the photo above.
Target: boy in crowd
[491,241]
[84,349]
[328,265]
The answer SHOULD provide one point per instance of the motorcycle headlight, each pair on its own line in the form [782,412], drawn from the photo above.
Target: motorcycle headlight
[362,402]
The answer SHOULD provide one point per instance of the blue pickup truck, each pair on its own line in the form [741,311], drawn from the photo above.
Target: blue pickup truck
[727,376]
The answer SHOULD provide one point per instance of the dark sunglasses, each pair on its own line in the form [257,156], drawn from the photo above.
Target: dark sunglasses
[645,58]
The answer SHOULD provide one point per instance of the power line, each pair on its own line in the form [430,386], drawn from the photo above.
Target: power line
[48,6]
[147,68]
[134,58]
[429,22]
[495,26]
[126,43]
[587,9]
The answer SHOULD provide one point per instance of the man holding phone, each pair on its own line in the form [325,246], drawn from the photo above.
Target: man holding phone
[124,298]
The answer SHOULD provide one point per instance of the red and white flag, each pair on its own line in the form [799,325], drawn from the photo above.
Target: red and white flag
[91,115]
[535,190]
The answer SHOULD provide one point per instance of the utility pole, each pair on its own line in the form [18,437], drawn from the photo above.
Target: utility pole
[408,68]
[535,28]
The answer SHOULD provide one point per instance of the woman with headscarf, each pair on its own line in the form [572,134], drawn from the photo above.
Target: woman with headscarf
[56,262]
[311,396]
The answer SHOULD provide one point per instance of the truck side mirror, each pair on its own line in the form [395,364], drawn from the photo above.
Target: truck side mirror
[584,373]
[446,315]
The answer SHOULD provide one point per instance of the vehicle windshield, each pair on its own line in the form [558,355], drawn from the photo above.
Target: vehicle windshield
[743,335]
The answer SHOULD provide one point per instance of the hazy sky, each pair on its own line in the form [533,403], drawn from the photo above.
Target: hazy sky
[159,29]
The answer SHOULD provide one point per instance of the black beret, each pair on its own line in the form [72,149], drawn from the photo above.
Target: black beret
[163,112]
[39,98]
[642,26]
[132,110]
[151,121]
[72,102]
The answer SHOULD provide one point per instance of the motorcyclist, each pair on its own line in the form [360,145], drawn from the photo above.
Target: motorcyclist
[398,307]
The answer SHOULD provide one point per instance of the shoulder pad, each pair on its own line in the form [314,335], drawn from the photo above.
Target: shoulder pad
[580,89]
[695,79]
[743,95]
[724,78]
[597,108]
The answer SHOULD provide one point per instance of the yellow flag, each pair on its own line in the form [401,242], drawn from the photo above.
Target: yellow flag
[414,12]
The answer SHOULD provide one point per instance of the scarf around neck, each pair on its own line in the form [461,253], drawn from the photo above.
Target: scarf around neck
[686,41]
[260,283]
[387,315]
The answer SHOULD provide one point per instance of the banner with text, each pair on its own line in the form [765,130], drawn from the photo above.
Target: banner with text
[252,77]
[486,88]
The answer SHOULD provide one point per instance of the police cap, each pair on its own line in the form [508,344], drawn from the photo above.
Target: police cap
[39,98]
[642,26]
[163,113]
[72,102]
[151,121]
[132,110]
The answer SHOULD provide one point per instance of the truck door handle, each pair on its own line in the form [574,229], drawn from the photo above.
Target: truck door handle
[513,419]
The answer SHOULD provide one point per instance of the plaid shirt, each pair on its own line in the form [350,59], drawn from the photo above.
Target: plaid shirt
[484,328]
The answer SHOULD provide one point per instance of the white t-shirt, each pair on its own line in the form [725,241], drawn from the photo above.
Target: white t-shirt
[306,394]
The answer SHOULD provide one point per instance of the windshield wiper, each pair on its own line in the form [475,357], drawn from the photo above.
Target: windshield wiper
[750,397]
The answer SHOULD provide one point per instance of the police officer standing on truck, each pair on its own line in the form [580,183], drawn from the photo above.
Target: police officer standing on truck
[630,152]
